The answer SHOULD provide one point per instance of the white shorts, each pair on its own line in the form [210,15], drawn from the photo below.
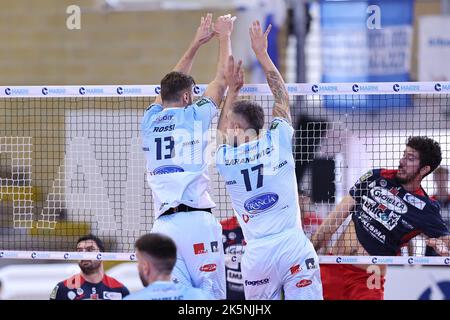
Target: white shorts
[286,262]
[200,257]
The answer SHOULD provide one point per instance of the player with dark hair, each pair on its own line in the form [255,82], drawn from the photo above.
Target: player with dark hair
[259,171]
[174,131]
[91,283]
[387,208]
[157,255]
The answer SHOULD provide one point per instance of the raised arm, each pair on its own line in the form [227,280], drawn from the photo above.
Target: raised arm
[332,222]
[274,78]
[223,28]
[234,76]
[203,35]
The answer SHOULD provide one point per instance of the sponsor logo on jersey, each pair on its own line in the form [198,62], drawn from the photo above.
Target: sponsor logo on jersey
[295,269]
[108,295]
[261,202]
[245,217]
[378,212]
[416,202]
[94,296]
[234,249]
[303,283]
[208,267]
[310,263]
[166,117]
[199,248]
[234,277]
[71,295]
[386,198]
[167,170]
[214,246]
[374,231]
[256,282]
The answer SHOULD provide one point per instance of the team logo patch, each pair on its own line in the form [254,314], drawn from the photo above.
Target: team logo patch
[366,176]
[199,248]
[310,263]
[214,246]
[274,125]
[416,202]
[303,283]
[80,291]
[383,183]
[71,295]
[54,292]
[202,102]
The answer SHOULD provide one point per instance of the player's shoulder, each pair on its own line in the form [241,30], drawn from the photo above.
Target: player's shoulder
[203,101]
[278,122]
[196,294]
[372,174]
[154,107]
[73,282]
[58,289]
[112,283]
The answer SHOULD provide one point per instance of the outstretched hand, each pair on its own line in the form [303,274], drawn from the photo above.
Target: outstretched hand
[234,75]
[224,25]
[258,38]
[204,31]
[439,246]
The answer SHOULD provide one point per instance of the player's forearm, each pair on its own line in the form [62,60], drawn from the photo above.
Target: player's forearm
[229,101]
[277,86]
[224,53]
[185,63]
[333,222]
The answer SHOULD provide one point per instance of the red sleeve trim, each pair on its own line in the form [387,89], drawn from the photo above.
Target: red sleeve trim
[111,282]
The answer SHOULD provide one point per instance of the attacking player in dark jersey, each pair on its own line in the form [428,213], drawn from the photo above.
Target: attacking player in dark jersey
[387,208]
[91,283]
[233,245]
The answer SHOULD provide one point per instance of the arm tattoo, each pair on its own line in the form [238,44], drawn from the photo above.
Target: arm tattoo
[276,84]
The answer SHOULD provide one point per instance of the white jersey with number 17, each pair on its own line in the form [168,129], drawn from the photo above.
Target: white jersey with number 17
[260,179]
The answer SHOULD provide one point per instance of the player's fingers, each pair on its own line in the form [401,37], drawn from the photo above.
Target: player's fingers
[268,30]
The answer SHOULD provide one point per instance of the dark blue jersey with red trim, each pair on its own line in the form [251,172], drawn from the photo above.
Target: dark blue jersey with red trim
[233,245]
[386,216]
[77,288]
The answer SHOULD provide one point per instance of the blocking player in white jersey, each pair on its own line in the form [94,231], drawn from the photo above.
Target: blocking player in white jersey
[174,130]
[259,172]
